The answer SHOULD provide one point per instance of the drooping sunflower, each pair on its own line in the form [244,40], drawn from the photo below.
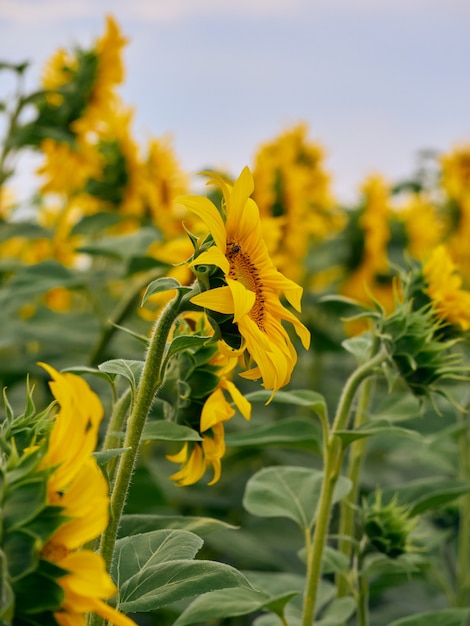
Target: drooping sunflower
[78,486]
[252,286]
[211,399]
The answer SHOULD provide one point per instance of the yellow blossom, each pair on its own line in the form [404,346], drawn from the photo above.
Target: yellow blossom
[253,286]
[77,484]
[444,286]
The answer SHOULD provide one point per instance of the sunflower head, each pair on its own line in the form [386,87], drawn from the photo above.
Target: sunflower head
[54,499]
[241,289]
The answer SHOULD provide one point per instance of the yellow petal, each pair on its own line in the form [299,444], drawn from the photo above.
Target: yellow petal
[216,409]
[213,256]
[239,399]
[209,214]
[241,191]
[243,299]
[219,299]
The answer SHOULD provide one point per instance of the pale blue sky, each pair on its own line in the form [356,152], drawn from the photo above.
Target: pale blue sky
[376,80]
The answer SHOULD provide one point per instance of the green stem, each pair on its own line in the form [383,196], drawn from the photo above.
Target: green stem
[115,426]
[363,601]
[333,456]
[346,519]
[151,379]
[463,540]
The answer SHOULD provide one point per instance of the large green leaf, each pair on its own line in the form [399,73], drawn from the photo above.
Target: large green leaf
[299,397]
[222,603]
[170,582]
[291,492]
[137,553]
[301,432]
[376,427]
[426,493]
[202,526]
[446,617]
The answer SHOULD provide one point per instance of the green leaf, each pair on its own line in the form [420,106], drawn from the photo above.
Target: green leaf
[359,346]
[338,612]
[164,430]
[446,617]
[121,247]
[22,553]
[80,370]
[222,603]
[376,427]
[103,456]
[184,342]
[138,553]
[426,493]
[132,370]
[334,561]
[303,432]
[92,224]
[170,582]
[300,397]
[291,492]
[36,593]
[24,502]
[202,526]
[160,285]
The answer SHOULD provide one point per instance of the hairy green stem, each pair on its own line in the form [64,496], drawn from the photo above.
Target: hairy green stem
[151,379]
[115,427]
[346,519]
[333,456]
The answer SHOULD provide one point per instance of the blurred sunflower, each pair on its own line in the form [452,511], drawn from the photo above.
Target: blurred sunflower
[444,287]
[250,287]
[292,191]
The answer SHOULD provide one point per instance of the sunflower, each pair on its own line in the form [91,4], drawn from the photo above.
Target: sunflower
[207,410]
[444,287]
[252,286]
[77,485]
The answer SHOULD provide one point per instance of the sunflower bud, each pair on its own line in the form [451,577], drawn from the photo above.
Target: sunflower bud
[388,527]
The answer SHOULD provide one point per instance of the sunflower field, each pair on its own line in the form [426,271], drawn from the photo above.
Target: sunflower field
[241,406]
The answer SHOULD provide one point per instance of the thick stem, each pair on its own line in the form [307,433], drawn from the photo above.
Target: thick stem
[333,456]
[115,426]
[346,519]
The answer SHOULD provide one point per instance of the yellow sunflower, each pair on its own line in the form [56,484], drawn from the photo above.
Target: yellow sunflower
[77,484]
[444,287]
[217,408]
[253,286]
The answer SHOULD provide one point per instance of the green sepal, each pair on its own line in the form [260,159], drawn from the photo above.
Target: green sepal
[24,502]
